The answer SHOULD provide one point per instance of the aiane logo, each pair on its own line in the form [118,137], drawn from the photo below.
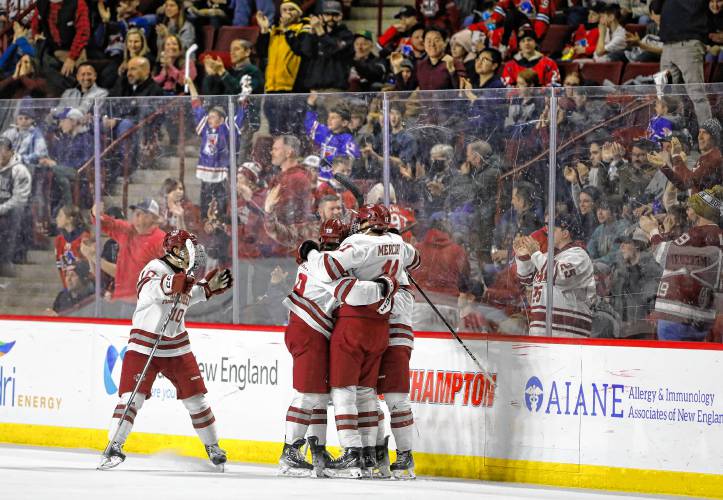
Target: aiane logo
[533,394]
[111,358]
[5,347]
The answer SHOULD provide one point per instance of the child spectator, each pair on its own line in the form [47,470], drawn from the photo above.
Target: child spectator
[585,37]
[72,147]
[73,230]
[80,286]
[660,126]
[176,211]
[213,161]
[334,138]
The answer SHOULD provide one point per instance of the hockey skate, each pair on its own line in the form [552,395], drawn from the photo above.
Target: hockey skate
[369,462]
[113,457]
[319,457]
[349,465]
[292,461]
[217,456]
[382,453]
[403,467]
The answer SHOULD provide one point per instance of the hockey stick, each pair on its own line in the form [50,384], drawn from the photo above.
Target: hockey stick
[454,334]
[193,264]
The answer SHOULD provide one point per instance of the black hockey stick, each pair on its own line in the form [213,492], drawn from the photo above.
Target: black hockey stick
[350,186]
[196,260]
[454,334]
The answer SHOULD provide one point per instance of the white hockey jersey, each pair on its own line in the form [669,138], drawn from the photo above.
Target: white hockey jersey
[573,291]
[314,301]
[152,308]
[400,321]
[366,257]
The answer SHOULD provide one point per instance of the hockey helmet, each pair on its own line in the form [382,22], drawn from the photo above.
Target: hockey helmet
[333,231]
[376,215]
[177,238]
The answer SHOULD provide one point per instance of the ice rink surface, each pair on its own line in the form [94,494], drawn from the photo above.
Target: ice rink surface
[59,474]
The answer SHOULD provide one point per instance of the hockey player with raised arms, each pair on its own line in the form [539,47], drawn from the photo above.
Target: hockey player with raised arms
[159,284]
[311,307]
[361,333]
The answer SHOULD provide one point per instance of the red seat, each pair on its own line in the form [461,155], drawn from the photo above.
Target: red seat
[228,34]
[635,69]
[640,29]
[555,38]
[709,72]
[627,136]
[567,67]
[599,72]
[209,35]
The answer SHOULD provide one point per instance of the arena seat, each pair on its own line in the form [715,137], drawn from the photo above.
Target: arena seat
[208,37]
[640,29]
[555,39]
[635,69]
[599,72]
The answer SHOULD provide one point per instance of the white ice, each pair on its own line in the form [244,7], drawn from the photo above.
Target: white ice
[58,474]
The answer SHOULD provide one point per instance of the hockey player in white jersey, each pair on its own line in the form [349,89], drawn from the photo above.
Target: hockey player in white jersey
[572,277]
[311,307]
[158,284]
[393,384]
[361,333]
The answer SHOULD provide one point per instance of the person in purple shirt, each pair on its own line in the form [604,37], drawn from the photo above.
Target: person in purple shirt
[334,138]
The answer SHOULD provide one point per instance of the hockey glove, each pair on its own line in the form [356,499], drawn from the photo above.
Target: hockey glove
[303,251]
[176,283]
[215,282]
[388,287]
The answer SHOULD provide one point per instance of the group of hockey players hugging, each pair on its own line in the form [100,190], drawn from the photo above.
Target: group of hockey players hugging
[349,333]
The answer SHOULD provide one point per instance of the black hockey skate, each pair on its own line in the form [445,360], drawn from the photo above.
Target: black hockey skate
[292,461]
[349,465]
[216,455]
[112,457]
[369,461]
[319,457]
[382,454]
[403,467]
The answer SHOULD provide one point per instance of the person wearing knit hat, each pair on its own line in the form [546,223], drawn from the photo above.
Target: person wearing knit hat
[685,306]
[707,205]
[706,172]
[713,127]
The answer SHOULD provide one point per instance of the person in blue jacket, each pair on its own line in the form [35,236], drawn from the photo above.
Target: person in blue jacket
[334,138]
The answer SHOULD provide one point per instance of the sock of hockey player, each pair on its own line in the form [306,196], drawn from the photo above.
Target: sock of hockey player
[402,422]
[205,425]
[127,425]
[366,401]
[349,464]
[115,454]
[317,425]
[382,447]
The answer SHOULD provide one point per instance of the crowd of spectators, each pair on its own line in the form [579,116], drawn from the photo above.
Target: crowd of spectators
[467,169]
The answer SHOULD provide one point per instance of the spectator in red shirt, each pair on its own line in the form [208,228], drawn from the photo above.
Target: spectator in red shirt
[139,242]
[65,24]
[292,185]
[584,39]
[707,170]
[529,58]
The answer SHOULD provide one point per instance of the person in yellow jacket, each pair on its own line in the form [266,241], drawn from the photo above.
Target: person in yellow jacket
[281,65]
